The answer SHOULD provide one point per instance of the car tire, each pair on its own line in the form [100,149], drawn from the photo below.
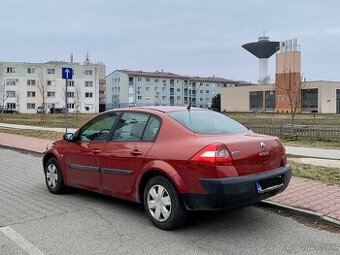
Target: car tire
[53,177]
[162,204]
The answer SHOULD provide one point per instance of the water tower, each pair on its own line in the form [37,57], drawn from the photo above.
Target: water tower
[262,49]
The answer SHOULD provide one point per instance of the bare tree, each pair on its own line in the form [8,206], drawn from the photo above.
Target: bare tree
[42,90]
[3,98]
[78,99]
[289,90]
[264,80]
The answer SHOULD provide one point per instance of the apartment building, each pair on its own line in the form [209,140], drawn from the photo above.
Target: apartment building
[26,86]
[125,88]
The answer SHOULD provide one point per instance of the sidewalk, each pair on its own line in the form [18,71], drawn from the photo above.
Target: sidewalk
[318,198]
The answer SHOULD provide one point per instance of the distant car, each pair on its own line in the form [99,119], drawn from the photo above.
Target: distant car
[41,109]
[171,159]
[8,111]
[57,110]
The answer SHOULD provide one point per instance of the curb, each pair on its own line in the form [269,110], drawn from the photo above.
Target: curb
[23,150]
[302,212]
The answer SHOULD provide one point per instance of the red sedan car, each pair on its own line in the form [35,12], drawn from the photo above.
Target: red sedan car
[171,159]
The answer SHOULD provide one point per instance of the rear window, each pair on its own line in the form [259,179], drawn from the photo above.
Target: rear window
[208,122]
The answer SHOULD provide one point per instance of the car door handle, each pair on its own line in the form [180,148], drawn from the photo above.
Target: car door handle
[136,152]
[95,151]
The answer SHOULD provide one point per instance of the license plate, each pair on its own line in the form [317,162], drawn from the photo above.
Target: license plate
[270,184]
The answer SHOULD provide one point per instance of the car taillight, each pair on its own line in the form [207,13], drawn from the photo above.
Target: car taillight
[284,157]
[214,154]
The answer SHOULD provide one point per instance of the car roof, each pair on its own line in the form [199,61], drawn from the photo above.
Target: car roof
[163,109]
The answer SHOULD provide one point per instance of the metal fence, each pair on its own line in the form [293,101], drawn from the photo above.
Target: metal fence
[299,131]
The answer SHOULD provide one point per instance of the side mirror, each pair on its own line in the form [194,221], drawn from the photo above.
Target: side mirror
[69,137]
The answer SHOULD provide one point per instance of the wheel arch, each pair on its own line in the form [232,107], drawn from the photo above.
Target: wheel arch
[51,154]
[174,179]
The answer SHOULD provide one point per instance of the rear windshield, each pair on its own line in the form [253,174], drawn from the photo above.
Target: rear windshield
[208,122]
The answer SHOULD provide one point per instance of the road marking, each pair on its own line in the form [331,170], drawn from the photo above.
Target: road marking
[21,241]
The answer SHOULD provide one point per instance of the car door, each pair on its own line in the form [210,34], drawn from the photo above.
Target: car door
[82,155]
[124,155]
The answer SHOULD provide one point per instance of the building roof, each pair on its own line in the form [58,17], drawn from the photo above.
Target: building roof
[161,74]
[157,74]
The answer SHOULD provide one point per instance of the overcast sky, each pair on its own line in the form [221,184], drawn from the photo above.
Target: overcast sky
[189,37]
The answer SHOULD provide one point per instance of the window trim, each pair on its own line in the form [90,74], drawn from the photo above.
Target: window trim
[147,122]
[91,121]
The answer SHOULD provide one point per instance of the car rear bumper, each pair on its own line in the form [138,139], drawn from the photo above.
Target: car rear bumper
[227,193]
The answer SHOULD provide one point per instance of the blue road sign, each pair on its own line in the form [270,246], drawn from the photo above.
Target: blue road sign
[67,73]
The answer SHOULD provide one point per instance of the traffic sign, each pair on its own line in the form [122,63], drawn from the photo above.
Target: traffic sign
[67,73]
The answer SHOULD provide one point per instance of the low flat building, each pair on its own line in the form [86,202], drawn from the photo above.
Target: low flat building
[315,96]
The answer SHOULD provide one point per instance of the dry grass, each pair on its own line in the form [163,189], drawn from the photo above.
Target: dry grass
[319,173]
[51,120]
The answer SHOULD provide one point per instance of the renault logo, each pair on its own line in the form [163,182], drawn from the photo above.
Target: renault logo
[262,145]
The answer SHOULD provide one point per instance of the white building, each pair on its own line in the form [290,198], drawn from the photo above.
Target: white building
[126,88]
[26,86]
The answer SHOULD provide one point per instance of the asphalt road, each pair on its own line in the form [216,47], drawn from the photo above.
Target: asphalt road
[33,221]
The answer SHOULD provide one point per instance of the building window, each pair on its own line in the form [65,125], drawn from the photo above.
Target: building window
[50,71]
[147,88]
[156,80]
[164,97]
[256,101]
[50,94]
[164,81]
[11,106]
[70,106]
[139,97]
[207,91]
[10,69]
[71,94]
[178,98]
[309,100]
[10,82]
[30,93]
[201,99]
[201,91]
[270,100]
[88,72]
[88,94]
[139,79]
[88,83]
[130,80]
[31,82]
[10,93]
[70,83]
[49,83]
[30,106]
[178,90]
[147,79]
[30,70]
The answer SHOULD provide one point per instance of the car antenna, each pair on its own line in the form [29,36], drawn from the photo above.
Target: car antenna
[189,106]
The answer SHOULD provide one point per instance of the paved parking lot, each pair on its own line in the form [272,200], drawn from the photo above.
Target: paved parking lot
[33,221]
